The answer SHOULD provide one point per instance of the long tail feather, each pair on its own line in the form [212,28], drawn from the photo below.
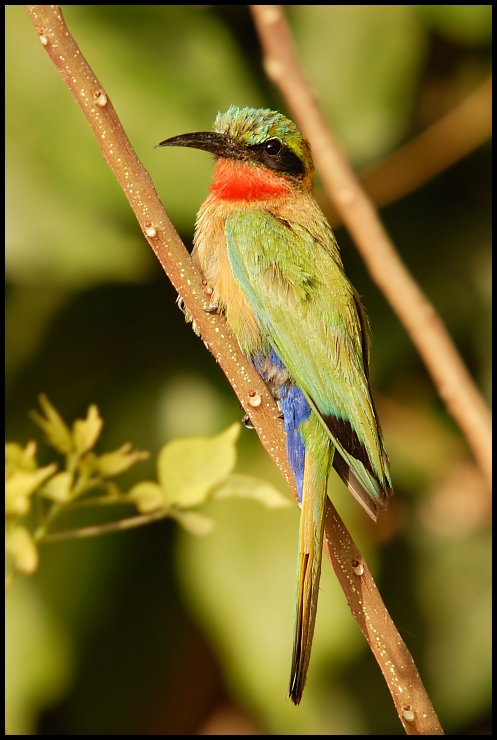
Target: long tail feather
[318,459]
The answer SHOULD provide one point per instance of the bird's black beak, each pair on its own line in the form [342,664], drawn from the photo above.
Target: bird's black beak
[219,144]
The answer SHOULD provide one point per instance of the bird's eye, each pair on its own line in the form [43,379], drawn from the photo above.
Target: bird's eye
[272,147]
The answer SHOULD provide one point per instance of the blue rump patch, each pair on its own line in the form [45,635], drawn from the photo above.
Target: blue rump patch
[294,406]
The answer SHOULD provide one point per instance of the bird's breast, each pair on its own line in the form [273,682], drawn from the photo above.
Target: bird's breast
[211,257]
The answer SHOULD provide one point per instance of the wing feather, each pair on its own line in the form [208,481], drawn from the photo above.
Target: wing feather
[310,314]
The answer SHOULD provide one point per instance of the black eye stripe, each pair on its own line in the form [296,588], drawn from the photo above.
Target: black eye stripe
[281,159]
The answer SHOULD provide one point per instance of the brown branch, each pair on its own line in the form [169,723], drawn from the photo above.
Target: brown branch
[427,331]
[411,700]
[439,146]
[156,226]
[359,587]
[396,663]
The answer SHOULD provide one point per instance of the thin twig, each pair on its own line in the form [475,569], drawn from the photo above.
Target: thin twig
[427,331]
[177,263]
[129,523]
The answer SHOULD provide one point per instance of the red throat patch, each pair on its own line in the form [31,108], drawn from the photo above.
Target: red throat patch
[238,181]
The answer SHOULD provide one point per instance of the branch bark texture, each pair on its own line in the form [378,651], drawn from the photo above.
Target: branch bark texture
[359,588]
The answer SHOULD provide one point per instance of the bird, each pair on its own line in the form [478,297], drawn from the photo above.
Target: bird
[272,267]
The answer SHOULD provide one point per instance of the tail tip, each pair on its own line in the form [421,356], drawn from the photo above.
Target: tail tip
[296,689]
[295,696]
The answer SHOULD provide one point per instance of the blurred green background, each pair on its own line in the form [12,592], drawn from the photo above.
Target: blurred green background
[154,631]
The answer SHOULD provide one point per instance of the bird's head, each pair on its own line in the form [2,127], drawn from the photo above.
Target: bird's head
[264,146]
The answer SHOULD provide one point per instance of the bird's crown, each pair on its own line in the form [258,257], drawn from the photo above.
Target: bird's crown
[256,127]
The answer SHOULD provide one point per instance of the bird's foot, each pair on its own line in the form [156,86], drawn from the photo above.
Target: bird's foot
[213,308]
[246,421]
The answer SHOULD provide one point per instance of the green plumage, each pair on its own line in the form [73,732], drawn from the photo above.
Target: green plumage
[308,312]
[272,266]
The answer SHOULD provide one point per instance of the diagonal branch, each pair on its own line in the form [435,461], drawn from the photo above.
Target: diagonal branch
[156,226]
[354,576]
[427,331]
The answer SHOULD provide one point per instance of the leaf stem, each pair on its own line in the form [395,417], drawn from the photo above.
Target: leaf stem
[119,526]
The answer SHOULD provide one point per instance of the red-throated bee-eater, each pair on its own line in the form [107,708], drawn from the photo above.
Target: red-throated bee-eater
[272,263]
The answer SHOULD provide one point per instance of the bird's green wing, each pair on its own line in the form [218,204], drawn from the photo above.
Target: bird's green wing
[309,313]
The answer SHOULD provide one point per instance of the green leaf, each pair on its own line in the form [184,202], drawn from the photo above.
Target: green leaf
[59,487]
[20,485]
[248,486]
[114,463]
[56,430]
[20,546]
[87,431]
[87,465]
[193,522]
[19,457]
[189,468]
[148,496]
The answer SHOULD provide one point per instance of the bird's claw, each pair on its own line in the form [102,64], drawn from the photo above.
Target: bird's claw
[247,422]
[213,308]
